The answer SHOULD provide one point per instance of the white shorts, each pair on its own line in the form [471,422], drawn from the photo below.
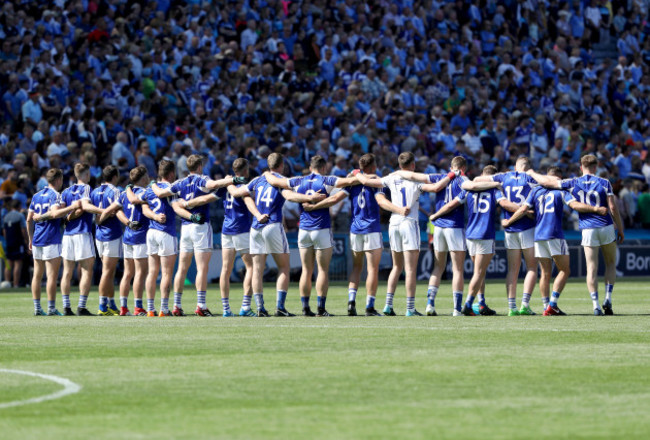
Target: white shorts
[449,239]
[161,243]
[520,240]
[111,248]
[135,251]
[598,236]
[45,253]
[551,248]
[318,239]
[366,242]
[404,237]
[480,247]
[78,247]
[196,238]
[239,242]
[271,239]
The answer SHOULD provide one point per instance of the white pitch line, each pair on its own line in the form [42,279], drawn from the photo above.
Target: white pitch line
[69,387]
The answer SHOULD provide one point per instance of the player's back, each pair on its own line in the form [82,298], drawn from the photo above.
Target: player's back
[403,193]
[237,218]
[268,199]
[516,187]
[190,187]
[103,197]
[549,208]
[593,191]
[481,208]
[134,214]
[83,223]
[456,218]
[365,209]
[312,184]
[46,232]
[161,206]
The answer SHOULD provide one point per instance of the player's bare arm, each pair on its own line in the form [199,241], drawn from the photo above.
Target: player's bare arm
[389,206]
[89,207]
[161,193]
[180,211]
[108,212]
[148,212]
[198,201]
[584,208]
[520,212]
[445,209]
[238,192]
[57,212]
[252,208]
[508,205]
[546,181]
[342,182]
[473,185]
[222,183]
[132,198]
[30,228]
[616,216]
[278,182]
[372,182]
[302,198]
[413,176]
[326,203]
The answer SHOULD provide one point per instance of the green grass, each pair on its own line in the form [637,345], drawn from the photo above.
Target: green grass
[570,377]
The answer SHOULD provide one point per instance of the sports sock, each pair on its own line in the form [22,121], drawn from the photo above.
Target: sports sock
[370,302]
[554,297]
[259,300]
[200,298]
[282,297]
[352,294]
[321,301]
[83,299]
[246,303]
[150,305]
[458,300]
[545,301]
[389,300]
[178,296]
[164,304]
[410,303]
[138,303]
[609,289]
[103,303]
[305,302]
[470,301]
[51,305]
[594,299]
[481,300]
[66,301]
[525,300]
[225,303]
[124,301]
[37,305]
[512,303]
[111,303]
[432,291]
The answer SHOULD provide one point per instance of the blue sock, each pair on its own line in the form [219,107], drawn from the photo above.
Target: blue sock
[305,301]
[37,305]
[594,300]
[410,303]
[246,302]
[282,297]
[259,300]
[138,303]
[178,296]
[164,304]
[609,289]
[124,301]
[83,299]
[111,303]
[321,301]
[525,300]
[150,305]
[545,301]
[458,300]
[469,302]
[103,303]
[51,305]
[481,300]
[554,297]
[370,302]
[352,294]
[512,303]
[389,300]
[200,298]
[432,291]
[66,301]
[225,303]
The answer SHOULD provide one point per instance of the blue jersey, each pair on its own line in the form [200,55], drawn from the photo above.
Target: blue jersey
[456,218]
[134,214]
[160,206]
[481,207]
[237,219]
[268,200]
[83,223]
[103,197]
[46,232]
[549,206]
[365,209]
[516,187]
[190,187]
[593,191]
[312,184]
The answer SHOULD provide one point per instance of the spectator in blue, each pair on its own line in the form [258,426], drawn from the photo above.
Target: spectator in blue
[461,120]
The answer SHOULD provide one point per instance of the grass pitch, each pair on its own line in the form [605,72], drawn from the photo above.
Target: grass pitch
[570,377]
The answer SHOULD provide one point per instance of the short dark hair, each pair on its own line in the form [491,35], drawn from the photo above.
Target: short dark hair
[275,160]
[458,162]
[317,162]
[53,174]
[366,161]
[195,163]
[405,159]
[589,161]
[136,173]
[554,171]
[489,170]
[80,168]
[109,173]
[165,167]
[239,165]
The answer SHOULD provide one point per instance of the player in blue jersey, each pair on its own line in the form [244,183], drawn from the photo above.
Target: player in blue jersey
[481,207]
[315,240]
[597,231]
[550,245]
[404,230]
[45,239]
[270,238]
[134,242]
[78,246]
[519,236]
[196,232]
[235,233]
[108,239]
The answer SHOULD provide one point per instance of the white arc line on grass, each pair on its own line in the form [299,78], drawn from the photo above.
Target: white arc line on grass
[69,387]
